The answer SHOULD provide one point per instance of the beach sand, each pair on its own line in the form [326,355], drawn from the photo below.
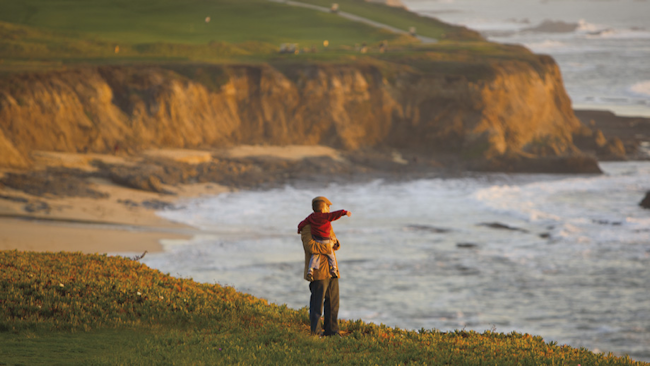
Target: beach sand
[125,220]
[118,223]
[43,236]
[92,225]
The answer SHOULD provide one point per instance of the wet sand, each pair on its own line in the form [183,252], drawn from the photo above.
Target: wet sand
[90,225]
[119,222]
[119,219]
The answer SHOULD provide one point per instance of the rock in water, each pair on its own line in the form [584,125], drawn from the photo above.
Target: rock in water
[466,245]
[500,226]
[549,26]
[427,228]
[646,201]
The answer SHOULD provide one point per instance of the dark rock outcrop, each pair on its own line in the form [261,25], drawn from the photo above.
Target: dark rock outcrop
[645,203]
[38,207]
[467,245]
[146,179]
[13,198]
[633,133]
[594,141]
[551,164]
[52,182]
[427,228]
[500,226]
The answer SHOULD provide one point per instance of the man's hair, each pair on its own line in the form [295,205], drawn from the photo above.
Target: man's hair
[318,206]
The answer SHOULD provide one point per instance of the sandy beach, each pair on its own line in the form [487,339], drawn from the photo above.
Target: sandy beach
[124,219]
[114,224]
[110,204]
[89,225]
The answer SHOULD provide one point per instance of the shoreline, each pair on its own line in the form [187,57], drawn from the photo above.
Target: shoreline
[88,225]
[114,218]
[116,222]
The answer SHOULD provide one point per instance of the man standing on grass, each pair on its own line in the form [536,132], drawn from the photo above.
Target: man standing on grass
[323,286]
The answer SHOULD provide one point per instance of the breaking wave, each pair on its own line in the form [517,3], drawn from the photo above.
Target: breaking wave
[642,87]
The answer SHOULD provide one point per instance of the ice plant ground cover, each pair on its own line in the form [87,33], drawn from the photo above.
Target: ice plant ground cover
[93,309]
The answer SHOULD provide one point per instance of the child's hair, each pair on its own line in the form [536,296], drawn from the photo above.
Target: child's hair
[318,206]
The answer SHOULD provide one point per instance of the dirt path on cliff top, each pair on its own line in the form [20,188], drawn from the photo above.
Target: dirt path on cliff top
[355,18]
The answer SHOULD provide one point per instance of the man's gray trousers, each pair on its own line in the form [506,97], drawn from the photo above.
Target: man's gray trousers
[324,292]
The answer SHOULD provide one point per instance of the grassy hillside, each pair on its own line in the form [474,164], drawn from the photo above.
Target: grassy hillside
[400,18]
[146,21]
[69,308]
[151,21]
[37,34]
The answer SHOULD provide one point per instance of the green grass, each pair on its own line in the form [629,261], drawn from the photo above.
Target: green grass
[401,19]
[75,309]
[173,21]
[69,348]
[24,48]
[37,35]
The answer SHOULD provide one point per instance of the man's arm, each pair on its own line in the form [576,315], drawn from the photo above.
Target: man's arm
[310,245]
[337,243]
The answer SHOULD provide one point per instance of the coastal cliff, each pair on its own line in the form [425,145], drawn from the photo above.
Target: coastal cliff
[488,111]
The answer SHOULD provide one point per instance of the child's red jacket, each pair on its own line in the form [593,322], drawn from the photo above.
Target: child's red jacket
[320,223]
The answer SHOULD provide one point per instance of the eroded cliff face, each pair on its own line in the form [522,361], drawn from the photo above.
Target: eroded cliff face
[518,109]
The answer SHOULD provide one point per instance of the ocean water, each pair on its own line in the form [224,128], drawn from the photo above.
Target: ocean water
[601,46]
[564,257]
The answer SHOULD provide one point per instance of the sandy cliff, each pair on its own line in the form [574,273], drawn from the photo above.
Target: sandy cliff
[510,109]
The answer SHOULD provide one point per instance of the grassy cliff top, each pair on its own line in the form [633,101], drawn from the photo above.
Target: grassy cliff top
[46,34]
[93,309]
[235,21]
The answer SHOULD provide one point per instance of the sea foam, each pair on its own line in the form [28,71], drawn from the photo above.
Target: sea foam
[398,269]
[642,88]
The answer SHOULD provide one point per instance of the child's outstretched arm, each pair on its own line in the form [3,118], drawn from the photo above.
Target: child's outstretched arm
[332,216]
